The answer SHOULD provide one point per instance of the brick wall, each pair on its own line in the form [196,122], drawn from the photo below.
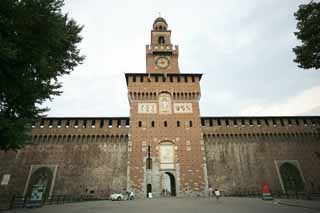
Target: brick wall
[242,157]
[94,162]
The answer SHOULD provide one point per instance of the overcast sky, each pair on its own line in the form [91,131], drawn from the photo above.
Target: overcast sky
[243,48]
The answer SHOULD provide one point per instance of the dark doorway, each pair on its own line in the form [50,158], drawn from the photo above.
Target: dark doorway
[41,177]
[291,178]
[171,186]
[149,189]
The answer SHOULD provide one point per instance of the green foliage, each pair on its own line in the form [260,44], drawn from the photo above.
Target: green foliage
[308,54]
[37,45]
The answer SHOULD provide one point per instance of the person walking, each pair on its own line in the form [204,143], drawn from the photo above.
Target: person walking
[210,192]
[217,193]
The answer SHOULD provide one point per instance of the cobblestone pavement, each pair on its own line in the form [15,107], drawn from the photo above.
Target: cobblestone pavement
[178,205]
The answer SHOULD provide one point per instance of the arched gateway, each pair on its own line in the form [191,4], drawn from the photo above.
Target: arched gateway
[291,178]
[40,183]
[168,184]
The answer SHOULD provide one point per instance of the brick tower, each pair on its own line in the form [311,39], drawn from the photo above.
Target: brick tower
[165,150]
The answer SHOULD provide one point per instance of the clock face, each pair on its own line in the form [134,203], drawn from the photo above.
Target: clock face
[162,62]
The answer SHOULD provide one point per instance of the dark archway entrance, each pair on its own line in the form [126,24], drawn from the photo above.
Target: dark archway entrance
[42,177]
[291,178]
[169,184]
[149,189]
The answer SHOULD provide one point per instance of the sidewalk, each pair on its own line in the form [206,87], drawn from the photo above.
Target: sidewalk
[310,204]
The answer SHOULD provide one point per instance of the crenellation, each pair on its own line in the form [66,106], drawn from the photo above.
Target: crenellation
[78,123]
[140,79]
[260,122]
[136,96]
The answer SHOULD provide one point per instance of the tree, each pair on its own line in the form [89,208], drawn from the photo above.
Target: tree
[308,54]
[38,44]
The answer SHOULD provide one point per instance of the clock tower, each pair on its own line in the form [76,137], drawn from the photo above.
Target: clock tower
[161,55]
[165,149]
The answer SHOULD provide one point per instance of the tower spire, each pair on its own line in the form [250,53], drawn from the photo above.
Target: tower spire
[162,56]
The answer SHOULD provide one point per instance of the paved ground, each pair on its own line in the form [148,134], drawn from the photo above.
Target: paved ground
[177,205]
[310,204]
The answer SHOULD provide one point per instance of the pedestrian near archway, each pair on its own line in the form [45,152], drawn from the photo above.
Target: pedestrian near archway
[217,193]
[210,192]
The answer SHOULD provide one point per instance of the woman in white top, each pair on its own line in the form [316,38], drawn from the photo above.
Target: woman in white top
[217,193]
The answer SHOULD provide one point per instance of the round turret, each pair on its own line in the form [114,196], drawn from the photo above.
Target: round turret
[160,19]
[160,24]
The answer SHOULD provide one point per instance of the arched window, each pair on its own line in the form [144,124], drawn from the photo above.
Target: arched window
[152,123]
[139,123]
[178,123]
[165,124]
[161,40]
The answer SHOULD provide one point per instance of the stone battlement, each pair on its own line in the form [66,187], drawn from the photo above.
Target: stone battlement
[80,129]
[262,123]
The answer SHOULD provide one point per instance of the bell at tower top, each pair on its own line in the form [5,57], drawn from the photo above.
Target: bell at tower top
[162,56]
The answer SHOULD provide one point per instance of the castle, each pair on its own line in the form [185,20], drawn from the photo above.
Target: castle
[165,147]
